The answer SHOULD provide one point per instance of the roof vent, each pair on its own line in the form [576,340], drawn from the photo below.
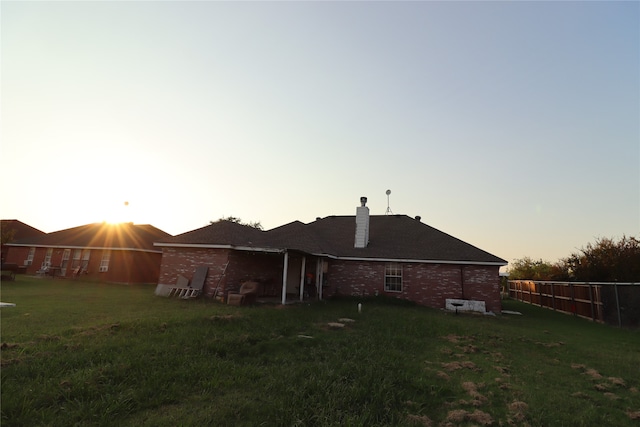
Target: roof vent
[418,217]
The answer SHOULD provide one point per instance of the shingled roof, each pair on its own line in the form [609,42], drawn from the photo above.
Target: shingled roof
[19,229]
[125,236]
[393,237]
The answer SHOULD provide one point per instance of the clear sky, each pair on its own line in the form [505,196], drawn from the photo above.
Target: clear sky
[514,126]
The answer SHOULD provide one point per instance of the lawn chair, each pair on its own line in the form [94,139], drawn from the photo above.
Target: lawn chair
[247,295]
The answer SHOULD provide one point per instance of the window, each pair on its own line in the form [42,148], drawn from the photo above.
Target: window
[104,263]
[77,254]
[85,259]
[393,277]
[65,261]
[29,260]
[47,259]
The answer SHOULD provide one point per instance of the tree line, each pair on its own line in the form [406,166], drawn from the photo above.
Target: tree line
[606,260]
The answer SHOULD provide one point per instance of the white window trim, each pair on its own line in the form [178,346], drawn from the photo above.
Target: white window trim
[389,268]
[104,262]
[30,255]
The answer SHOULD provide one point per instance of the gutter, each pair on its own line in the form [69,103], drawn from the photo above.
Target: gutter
[324,255]
[209,246]
[23,245]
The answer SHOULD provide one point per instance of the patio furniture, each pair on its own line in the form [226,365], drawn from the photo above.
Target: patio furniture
[247,294]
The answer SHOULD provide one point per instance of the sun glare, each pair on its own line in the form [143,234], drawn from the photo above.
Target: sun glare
[118,214]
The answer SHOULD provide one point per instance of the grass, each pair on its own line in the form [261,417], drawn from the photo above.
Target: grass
[76,353]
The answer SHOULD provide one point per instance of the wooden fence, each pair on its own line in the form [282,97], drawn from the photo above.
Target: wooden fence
[613,303]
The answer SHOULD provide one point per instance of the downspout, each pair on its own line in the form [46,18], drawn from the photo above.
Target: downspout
[462,281]
[284,278]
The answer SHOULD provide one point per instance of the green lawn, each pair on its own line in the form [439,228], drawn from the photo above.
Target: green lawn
[76,353]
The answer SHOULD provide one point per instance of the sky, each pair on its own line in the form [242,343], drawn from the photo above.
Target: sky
[514,126]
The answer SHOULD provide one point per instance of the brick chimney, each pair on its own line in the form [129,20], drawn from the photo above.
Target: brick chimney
[362,224]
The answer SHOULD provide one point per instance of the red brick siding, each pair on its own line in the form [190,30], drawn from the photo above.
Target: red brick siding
[183,261]
[482,283]
[124,266]
[243,266]
[16,255]
[425,284]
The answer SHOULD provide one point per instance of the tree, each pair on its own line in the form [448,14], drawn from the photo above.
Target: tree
[526,268]
[6,234]
[254,224]
[606,261]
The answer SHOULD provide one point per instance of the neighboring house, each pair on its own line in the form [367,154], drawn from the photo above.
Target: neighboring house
[393,255]
[13,230]
[122,253]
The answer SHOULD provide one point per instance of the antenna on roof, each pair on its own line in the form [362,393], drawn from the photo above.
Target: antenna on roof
[388,212]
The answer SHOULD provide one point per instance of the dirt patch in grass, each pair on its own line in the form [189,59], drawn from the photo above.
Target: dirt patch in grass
[477,416]
[470,348]
[454,366]
[94,330]
[443,375]
[472,389]
[617,381]
[455,339]
[503,370]
[422,420]
[634,415]
[517,409]
[9,345]
[593,374]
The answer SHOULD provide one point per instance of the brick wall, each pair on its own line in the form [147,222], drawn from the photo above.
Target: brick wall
[426,284]
[124,266]
[183,261]
[243,266]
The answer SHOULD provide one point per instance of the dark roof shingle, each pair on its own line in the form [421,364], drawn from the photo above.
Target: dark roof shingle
[101,235]
[390,237]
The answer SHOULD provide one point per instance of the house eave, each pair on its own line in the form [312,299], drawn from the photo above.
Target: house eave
[415,261]
[26,245]
[213,246]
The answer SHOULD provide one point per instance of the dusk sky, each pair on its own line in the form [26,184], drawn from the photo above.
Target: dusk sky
[514,126]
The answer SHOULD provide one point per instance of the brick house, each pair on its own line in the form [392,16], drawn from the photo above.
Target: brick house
[121,253]
[393,255]
[13,230]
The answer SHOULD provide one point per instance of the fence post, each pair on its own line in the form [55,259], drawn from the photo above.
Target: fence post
[615,287]
[574,309]
[593,312]
[553,298]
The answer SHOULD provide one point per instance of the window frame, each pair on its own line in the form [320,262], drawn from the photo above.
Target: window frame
[66,254]
[393,277]
[30,256]
[104,262]
[46,263]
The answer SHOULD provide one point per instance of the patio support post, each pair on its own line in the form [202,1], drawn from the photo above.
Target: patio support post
[284,277]
[304,264]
